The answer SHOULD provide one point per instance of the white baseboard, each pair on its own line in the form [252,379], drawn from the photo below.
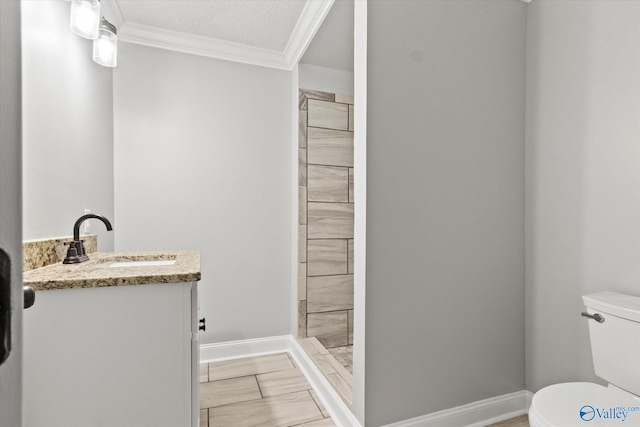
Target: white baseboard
[339,412]
[477,414]
[529,398]
[244,348]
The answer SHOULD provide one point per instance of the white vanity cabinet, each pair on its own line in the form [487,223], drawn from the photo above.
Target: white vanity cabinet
[113,356]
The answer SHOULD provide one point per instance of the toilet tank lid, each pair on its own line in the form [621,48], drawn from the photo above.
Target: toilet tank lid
[620,305]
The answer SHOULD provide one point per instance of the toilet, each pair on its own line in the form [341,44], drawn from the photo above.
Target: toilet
[614,331]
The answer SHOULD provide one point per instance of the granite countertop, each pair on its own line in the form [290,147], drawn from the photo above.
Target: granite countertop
[97,272]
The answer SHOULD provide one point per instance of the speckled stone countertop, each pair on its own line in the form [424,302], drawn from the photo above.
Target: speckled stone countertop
[97,272]
[43,252]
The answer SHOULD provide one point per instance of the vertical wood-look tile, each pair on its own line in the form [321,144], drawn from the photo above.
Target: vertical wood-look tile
[350,256]
[329,328]
[302,319]
[225,392]
[204,418]
[317,94]
[277,411]
[302,128]
[302,243]
[282,382]
[302,205]
[329,115]
[350,325]
[330,293]
[330,147]
[351,118]
[302,100]
[351,187]
[344,99]
[302,167]
[330,220]
[204,372]
[327,183]
[302,281]
[327,256]
[234,368]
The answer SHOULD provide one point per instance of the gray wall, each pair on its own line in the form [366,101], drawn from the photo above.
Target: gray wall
[203,160]
[325,79]
[67,126]
[445,205]
[10,204]
[583,175]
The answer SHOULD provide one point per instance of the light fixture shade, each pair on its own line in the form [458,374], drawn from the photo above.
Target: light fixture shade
[85,18]
[105,46]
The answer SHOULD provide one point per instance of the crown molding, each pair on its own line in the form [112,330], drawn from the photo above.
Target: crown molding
[146,35]
[308,23]
[306,28]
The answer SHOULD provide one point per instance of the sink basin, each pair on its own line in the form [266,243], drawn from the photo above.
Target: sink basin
[155,260]
[153,263]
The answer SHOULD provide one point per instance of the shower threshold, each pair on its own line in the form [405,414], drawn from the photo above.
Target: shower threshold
[335,364]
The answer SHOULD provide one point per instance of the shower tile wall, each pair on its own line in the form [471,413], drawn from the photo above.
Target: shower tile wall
[325,225]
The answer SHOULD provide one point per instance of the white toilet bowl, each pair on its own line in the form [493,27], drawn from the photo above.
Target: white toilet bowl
[582,405]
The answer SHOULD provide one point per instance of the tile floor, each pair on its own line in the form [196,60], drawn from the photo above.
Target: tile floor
[344,355]
[270,391]
[265,390]
[521,421]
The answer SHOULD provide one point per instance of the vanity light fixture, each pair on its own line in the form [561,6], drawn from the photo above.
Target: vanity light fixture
[105,46]
[85,18]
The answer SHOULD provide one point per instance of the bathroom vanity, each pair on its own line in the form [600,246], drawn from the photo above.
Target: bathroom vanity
[113,342]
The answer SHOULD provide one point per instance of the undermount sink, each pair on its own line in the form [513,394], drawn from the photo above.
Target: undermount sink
[141,263]
[138,261]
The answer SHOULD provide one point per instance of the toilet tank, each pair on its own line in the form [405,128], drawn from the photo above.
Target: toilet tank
[615,343]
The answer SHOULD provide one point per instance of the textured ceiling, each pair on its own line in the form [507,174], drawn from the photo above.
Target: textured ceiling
[332,46]
[266,24]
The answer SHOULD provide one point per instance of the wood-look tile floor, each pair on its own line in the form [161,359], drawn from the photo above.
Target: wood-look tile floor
[521,421]
[265,390]
[270,391]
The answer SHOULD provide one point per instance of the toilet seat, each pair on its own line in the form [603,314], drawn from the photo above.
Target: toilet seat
[576,404]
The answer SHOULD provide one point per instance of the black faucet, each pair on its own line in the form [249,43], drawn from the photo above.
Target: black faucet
[76,252]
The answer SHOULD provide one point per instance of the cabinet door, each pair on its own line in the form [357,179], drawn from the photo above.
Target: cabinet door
[88,351]
[10,217]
